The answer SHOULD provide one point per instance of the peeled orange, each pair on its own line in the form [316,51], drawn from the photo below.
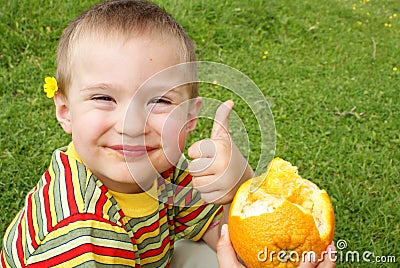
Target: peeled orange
[281,222]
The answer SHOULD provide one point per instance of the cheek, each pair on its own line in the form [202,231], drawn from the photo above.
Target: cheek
[174,135]
[87,126]
[172,132]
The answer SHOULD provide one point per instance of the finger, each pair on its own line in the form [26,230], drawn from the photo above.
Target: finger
[203,148]
[216,197]
[308,261]
[206,183]
[225,253]
[201,167]
[221,120]
[329,260]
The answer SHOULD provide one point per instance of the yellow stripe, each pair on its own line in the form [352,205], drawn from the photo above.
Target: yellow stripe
[63,248]
[72,158]
[23,238]
[162,221]
[153,233]
[182,177]
[14,252]
[71,152]
[76,184]
[3,255]
[83,224]
[51,196]
[63,188]
[106,208]
[155,244]
[155,258]
[95,197]
[205,227]
[99,258]
[194,208]
[35,220]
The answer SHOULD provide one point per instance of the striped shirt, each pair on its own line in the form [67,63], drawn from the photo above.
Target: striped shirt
[71,219]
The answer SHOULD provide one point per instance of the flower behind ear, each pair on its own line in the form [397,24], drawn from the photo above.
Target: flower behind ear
[50,86]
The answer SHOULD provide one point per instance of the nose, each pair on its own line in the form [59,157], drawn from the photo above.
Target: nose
[131,121]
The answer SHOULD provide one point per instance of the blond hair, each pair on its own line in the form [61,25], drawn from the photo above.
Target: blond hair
[124,18]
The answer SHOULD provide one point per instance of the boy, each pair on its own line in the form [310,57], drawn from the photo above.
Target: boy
[120,194]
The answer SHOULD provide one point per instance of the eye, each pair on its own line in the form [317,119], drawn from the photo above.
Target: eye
[160,100]
[104,98]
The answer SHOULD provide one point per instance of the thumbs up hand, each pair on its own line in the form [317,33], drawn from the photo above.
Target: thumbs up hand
[217,167]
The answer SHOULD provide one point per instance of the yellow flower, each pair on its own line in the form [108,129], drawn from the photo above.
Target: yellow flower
[395,69]
[50,86]
[265,55]
[359,22]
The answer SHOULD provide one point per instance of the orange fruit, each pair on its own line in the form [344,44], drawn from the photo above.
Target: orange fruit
[283,220]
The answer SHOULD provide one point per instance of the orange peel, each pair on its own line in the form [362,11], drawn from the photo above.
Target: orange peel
[282,221]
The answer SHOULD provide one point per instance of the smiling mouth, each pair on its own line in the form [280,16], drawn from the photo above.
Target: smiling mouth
[130,151]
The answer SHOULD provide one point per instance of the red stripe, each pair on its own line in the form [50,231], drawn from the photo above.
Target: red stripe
[188,198]
[102,200]
[73,207]
[28,212]
[19,245]
[192,214]
[147,229]
[151,227]
[156,251]
[122,215]
[82,249]
[46,202]
[185,183]
[167,173]
[220,210]
[180,228]
[162,213]
[3,262]
[83,217]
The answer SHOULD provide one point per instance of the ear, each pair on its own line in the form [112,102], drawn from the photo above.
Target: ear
[194,109]
[62,112]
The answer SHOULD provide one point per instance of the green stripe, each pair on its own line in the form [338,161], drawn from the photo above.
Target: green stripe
[8,241]
[87,233]
[54,167]
[91,264]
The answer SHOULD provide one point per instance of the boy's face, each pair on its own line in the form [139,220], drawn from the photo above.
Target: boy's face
[123,133]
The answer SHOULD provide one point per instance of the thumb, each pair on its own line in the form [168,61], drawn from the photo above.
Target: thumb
[221,120]
[225,253]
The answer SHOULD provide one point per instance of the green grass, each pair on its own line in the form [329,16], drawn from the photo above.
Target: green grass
[329,76]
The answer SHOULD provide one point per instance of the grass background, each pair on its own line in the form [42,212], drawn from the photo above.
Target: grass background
[331,74]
